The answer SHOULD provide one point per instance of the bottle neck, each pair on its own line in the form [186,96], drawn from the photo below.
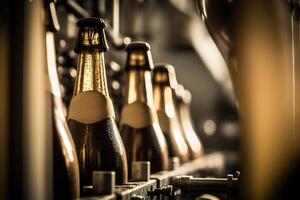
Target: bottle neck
[91,75]
[163,100]
[139,87]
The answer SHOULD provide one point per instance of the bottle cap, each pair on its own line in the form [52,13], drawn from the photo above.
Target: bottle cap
[91,35]
[164,74]
[139,56]
[139,46]
[91,22]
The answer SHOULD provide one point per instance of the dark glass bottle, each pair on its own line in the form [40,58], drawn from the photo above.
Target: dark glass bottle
[183,101]
[140,130]
[164,80]
[65,163]
[91,114]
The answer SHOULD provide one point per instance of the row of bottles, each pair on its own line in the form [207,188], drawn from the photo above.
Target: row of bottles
[141,133]
[155,122]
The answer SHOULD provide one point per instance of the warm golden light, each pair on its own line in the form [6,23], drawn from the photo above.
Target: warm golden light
[209,127]
[137,58]
[65,136]
[51,61]
[263,81]
[169,107]
[90,37]
[89,81]
[179,139]
[161,139]
[136,90]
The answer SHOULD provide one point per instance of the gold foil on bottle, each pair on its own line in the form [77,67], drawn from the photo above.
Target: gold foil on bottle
[91,76]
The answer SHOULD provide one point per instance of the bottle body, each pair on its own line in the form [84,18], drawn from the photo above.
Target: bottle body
[99,147]
[183,101]
[190,136]
[177,146]
[145,144]
[65,163]
[164,79]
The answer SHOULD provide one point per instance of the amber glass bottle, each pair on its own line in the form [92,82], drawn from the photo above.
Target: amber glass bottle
[164,79]
[91,114]
[140,130]
[65,163]
[183,101]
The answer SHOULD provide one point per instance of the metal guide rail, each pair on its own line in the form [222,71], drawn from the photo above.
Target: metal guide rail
[161,184]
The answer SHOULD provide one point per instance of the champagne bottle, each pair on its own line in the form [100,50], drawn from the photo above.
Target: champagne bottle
[91,114]
[140,130]
[65,163]
[164,80]
[183,101]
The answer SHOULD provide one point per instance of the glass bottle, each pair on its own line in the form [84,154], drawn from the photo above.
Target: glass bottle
[65,163]
[183,102]
[164,80]
[91,114]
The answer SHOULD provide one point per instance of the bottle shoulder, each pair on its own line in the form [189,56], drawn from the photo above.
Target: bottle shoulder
[138,115]
[108,123]
[90,107]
